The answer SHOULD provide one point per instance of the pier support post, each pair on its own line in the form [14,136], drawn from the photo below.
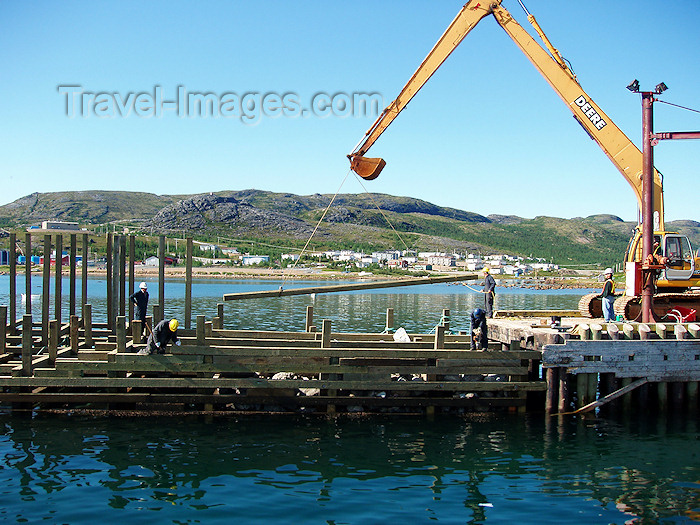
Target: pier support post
[84,272]
[644,331]
[122,275]
[110,291]
[28,272]
[694,330]
[660,330]
[446,319]
[439,337]
[613,332]
[73,333]
[132,276]
[389,328]
[87,325]
[220,314]
[136,331]
[161,272]
[552,376]
[58,280]
[188,284]
[157,314]
[3,329]
[46,291]
[72,275]
[27,345]
[121,333]
[309,318]
[628,331]
[13,283]
[54,333]
[200,330]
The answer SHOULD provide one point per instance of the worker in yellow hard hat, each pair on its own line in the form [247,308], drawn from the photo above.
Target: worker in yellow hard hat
[162,334]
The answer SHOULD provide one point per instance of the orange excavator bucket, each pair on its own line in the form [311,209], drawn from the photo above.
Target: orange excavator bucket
[367,168]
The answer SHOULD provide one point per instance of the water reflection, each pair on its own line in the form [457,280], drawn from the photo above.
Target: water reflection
[350,470]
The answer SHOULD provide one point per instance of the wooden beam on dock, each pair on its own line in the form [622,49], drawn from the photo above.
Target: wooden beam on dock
[347,287]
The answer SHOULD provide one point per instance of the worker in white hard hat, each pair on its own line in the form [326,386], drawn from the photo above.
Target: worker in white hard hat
[140,300]
[607,296]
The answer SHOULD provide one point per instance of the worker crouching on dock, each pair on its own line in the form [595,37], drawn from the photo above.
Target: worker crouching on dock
[480,335]
[162,334]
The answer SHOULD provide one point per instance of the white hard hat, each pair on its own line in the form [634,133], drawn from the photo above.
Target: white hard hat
[608,271]
[143,286]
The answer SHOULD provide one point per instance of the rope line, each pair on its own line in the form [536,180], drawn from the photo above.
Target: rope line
[382,212]
[286,275]
[678,106]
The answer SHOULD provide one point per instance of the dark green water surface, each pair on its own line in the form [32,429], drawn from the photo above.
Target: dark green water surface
[294,469]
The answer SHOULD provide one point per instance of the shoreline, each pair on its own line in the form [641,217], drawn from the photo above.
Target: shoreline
[229,273]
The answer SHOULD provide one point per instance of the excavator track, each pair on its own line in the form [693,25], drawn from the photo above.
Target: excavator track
[630,308]
[590,305]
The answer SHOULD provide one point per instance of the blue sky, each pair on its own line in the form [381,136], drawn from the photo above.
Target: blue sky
[486,134]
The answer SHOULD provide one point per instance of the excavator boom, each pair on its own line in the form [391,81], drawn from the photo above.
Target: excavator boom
[626,157]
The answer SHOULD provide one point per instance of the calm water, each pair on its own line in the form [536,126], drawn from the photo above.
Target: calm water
[484,468]
[293,469]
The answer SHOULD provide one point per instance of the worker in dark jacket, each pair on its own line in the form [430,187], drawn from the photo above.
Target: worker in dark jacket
[140,300]
[162,334]
[490,291]
[480,336]
[608,296]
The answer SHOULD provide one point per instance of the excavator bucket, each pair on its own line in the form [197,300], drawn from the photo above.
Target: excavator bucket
[367,168]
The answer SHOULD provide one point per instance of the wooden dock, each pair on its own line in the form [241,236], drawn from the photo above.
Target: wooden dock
[537,361]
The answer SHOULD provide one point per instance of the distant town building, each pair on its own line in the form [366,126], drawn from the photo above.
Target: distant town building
[60,225]
[248,260]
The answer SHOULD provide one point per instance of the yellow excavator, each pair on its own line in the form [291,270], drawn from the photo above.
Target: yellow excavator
[682,267]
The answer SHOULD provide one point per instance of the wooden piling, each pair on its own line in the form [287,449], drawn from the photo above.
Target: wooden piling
[13,283]
[644,331]
[121,333]
[188,285]
[628,331]
[26,345]
[110,291]
[72,273]
[309,318]
[389,320]
[132,276]
[446,319]
[122,275]
[58,280]
[157,314]
[439,337]
[694,330]
[613,331]
[46,291]
[84,272]
[220,314]
[660,330]
[87,325]
[552,377]
[200,330]
[54,330]
[28,272]
[136,331]
[3,328]
[161,271]
[116,277]
[74,328]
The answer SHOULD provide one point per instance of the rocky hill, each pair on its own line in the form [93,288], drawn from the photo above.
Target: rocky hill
[352,222]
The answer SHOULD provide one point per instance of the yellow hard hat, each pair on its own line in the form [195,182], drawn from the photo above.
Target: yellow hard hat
[173,325]
[486,269]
